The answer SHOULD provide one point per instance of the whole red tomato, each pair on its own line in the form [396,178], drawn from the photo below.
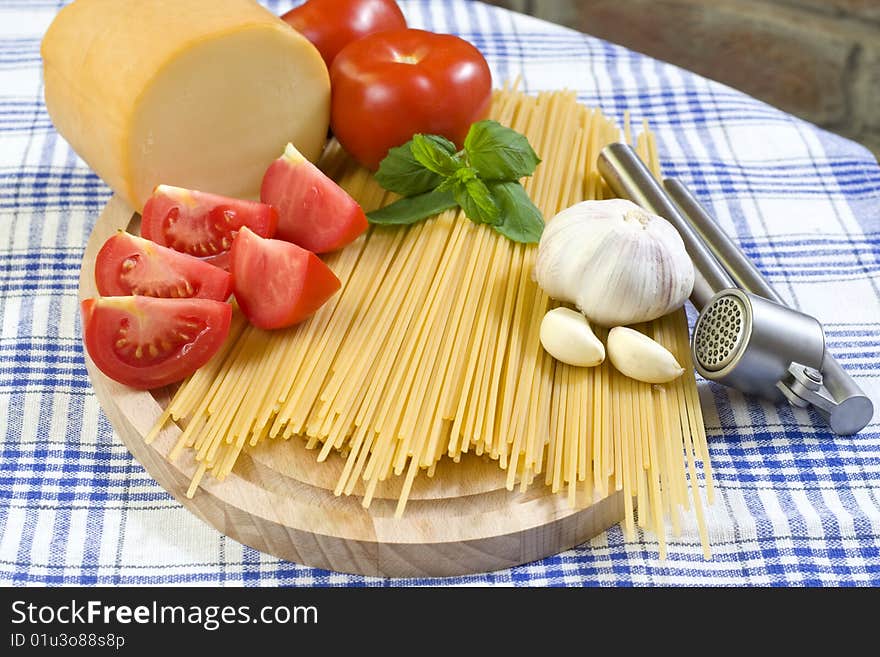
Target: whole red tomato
[389,86]
[332,24]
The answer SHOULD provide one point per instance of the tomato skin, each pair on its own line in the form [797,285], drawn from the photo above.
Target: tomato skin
[128,265]
[276,283]
[184,333]
[313,211]
[389,86]
[202,224]
[332,24]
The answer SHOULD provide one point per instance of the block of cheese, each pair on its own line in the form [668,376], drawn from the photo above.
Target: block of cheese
[202,94]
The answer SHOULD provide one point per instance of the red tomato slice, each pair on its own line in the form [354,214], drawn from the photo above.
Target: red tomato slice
[313,211]
[391,85]
[331,24]
[144,342]
[133,265]
[277,283]
[202,224]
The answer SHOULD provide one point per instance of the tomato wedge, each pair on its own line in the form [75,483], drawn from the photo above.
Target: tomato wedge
[277,283]
[127,264]
[145,342]
[202,224]
[313,211]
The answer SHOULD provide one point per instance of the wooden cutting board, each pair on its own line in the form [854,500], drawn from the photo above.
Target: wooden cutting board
[280,500]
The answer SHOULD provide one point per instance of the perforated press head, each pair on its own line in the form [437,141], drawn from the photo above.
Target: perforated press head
[720,332]
[748,342]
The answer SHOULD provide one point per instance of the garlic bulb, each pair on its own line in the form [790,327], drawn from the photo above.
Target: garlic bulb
[566,335]
[639,357]
[616,262]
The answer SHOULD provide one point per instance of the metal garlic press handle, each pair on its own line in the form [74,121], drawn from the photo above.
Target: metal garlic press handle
[728,253]
[629,178]
[833,392]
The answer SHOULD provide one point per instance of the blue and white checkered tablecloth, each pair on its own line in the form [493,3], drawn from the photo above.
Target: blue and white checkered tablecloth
[796,505]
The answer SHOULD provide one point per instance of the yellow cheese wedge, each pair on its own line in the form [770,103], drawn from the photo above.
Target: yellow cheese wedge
[201,94]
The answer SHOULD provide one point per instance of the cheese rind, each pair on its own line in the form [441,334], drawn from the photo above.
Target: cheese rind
[202,94]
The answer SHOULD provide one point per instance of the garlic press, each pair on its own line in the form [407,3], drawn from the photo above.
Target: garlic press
[745,336]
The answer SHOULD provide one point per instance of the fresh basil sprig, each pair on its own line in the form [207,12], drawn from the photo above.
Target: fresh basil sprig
[482,179]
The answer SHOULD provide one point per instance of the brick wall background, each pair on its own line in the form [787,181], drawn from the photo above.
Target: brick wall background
[818,59]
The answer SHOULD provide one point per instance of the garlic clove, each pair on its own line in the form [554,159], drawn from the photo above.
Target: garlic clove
[566,335]
[616,262]
[639,357]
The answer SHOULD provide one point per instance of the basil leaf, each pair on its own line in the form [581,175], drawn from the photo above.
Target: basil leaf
[415,208]
[436,154]
[402,174]
[476,200]
[520,220]
[499,153]
[457,180]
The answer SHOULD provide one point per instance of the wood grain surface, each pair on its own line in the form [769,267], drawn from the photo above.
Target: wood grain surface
[280,500]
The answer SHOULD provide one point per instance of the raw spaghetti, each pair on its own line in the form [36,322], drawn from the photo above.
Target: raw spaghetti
[431,350]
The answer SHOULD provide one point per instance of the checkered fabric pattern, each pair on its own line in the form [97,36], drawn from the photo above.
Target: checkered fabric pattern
[796,505]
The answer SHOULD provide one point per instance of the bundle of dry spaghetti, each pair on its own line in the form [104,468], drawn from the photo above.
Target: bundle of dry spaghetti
[431,350]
